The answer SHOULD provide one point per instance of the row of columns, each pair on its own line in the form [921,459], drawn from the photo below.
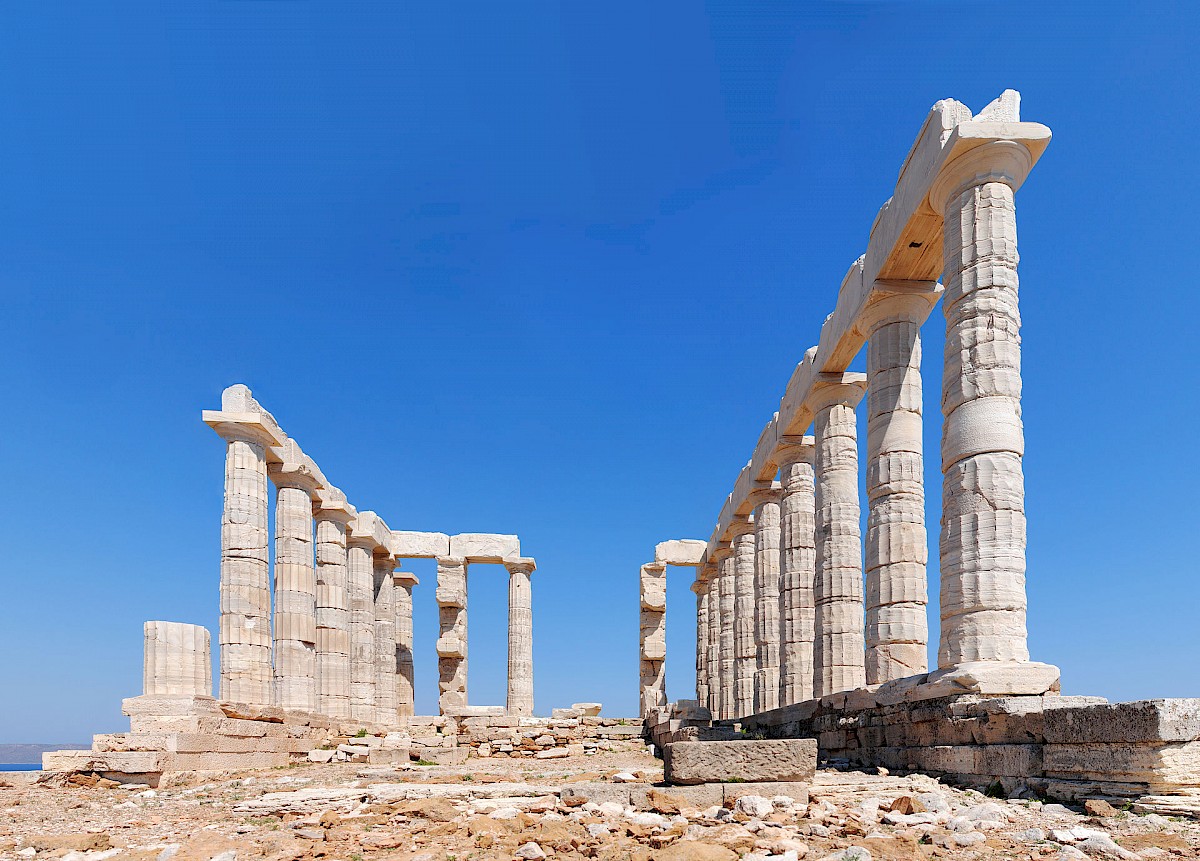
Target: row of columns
[337,641]
[782,612]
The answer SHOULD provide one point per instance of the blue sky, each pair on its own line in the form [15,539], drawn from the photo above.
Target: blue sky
[545,269]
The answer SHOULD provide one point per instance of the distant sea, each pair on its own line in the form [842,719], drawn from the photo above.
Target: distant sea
[19,766]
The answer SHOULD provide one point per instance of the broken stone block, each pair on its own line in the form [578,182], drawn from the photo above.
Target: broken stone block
[689,762]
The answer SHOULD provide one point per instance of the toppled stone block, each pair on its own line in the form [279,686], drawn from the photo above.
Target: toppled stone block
[790,760]
[588,709]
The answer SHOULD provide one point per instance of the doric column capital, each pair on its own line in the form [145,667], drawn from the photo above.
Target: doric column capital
[741,527]
[368,530]
[1003,161]
[833,389]
[794,449]
[898,301]
[720,554]
[764,493]
[331,504]
[522,565]
[405,579]
[296,469]
[244,427]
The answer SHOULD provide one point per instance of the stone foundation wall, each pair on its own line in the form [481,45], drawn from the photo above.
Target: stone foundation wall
[1063,747]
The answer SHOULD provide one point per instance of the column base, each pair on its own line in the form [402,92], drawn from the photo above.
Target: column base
[987,678]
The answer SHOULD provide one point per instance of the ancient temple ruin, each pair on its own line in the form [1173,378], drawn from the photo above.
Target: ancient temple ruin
[809,628]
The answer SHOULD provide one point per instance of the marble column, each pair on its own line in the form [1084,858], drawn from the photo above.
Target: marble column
[653,587]
[452,639]
[520,637]
[983,487]
[177,660]
[766,597]
[295,678]
[838,588]
[405,686]
[700,588]
[360,591]
[797,571]
[333,606]
[385,639]
[723,558]
[745,652]
[897,631]
[713,638]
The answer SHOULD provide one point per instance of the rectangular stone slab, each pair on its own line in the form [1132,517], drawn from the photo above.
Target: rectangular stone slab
[1146,721]
[690,762]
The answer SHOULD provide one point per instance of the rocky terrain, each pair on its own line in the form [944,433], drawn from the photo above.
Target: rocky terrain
[532,809]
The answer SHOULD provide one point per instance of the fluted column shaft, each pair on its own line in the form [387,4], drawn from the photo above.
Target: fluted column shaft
[177,660]
[798,565]
[725,652]
[385,640]
[295,678]
[244,634]
[766,602]
[333,615]
[983,599]
[452,639]
[713,640]
[838,592]
[361,595]
[700,587]
[897,631]
[405,686]
[520,640]
[745,652]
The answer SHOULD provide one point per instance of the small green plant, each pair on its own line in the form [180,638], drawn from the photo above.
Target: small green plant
[362,733]
[354,856]
[425,762]
[467,777]
[734,780]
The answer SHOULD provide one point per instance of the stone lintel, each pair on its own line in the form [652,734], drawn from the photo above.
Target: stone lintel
[521,565]
[485,547]
[420,545]
[405,578]
[680,551]
[368,528]
[251,426]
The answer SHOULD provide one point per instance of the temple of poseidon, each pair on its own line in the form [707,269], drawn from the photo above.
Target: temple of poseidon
[811,632]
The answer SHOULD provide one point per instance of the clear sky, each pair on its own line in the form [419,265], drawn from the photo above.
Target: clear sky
[545,269]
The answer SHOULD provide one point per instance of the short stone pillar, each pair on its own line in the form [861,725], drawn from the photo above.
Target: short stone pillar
[838,588]
[244,634]
[766,597]
[653,640]
[797,571]
[723,558]
[361,594]
[295,678]
[177,660]
[520,636]
[333,605]
[385,640]
[745,651]
[405,684]
[712,582]
[700,588]
[983,487]
[452,638]
[897,631]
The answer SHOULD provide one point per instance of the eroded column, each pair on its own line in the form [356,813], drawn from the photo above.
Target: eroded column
[897,631]
[653,685]
[361,594]
[405,686]
[244,633]
[333,607]
[745,651]
[766,597]
[983,487]
[385,639]
[700,588]
[452,639]
[520,637]
[838,587]
[713,638]
[798,566]
[177,660]
[295,677]
[723,557]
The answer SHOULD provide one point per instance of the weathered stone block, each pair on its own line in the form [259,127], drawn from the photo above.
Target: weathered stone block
[752,761]
[1167,720]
